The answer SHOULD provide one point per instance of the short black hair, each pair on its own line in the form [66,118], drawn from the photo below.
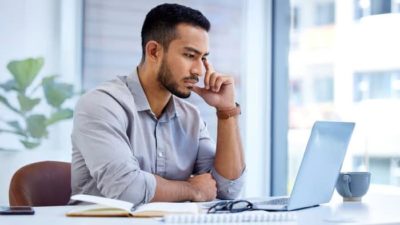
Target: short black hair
[160,23]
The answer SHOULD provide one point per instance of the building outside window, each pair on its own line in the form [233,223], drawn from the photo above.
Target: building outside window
[345,67]
[324,13]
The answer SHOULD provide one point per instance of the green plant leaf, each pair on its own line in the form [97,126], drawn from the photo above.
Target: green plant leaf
[6,103]
[9,85]
[36,126]
[56,93]
[8,149]
[30,145]
[25,71]
[61,114]
[15,124]
[27,104]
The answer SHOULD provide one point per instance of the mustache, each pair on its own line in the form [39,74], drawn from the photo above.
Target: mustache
[195,78]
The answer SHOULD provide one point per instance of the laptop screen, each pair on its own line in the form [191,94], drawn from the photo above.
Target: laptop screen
[321,164]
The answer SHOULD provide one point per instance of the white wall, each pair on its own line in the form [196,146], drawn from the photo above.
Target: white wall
[32,29]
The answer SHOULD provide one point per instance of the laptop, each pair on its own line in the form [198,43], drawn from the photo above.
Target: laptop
[319,169]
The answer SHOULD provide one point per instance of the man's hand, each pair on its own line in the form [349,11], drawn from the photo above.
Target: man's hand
[204,186]
[219,89]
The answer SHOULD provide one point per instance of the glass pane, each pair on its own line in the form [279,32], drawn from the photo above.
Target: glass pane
[343,66]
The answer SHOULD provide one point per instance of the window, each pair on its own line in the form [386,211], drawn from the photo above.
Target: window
[376,85]
[380,6]
[296,92]
[364,8]
[396,6]
[323,89]
[295,18]
[324,13]
[347,72]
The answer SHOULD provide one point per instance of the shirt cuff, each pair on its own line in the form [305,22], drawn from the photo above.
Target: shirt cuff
[141,190]
[228,189]
[151,184]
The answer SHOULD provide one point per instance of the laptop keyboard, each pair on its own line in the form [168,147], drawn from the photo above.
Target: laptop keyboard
[277,201]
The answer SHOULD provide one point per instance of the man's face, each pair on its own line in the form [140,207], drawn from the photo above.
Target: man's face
[182,64]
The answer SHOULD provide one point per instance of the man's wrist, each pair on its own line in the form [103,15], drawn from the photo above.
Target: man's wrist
[228,107]
[194,193]
[226,113]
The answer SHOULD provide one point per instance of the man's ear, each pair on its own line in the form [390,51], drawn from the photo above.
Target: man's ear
[154,51]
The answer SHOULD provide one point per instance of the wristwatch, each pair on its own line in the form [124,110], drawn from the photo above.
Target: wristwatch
[226,114]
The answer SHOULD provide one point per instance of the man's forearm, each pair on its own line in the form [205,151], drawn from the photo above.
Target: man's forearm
[172,191]
[197,188]
[229,159]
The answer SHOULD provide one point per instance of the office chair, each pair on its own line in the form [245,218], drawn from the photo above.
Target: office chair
[46,183]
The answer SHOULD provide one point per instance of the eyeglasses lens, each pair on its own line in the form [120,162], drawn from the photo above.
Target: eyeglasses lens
[231,206]
[240,206]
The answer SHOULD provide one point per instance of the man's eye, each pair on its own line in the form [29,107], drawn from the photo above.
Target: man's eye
[191,56]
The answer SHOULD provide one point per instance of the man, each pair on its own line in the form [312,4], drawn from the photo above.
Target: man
[136,139]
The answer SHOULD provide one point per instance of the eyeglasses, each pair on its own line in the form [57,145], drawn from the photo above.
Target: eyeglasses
[231,206]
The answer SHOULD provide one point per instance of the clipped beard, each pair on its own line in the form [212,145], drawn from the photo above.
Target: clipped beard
[165,78]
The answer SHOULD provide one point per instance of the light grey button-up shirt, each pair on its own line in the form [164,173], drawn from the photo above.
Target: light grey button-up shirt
[119,144]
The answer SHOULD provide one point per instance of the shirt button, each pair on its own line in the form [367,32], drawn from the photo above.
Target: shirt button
[160,154]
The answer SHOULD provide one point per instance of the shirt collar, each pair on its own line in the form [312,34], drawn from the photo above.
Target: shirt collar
[170,109]
[141,100]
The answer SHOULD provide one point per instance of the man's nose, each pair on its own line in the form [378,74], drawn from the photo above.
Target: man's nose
[198,68]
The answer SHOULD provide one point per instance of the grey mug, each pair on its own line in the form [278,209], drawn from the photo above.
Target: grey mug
[352,186]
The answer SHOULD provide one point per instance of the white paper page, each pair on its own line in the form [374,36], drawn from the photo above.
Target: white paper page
[104,201]
[170,207]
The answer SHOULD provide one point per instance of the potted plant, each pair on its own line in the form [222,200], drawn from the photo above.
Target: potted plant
[21,96]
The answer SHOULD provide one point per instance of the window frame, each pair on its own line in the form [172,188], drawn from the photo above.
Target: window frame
[279,96]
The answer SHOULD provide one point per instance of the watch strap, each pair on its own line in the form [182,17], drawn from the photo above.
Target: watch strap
[227,113]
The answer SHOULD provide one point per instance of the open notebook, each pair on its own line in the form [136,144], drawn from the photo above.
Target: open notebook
[105,207]
[184,213]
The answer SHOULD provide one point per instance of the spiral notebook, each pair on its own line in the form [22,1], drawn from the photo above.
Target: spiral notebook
[254,216]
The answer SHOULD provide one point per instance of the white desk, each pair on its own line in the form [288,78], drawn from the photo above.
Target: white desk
[375,209]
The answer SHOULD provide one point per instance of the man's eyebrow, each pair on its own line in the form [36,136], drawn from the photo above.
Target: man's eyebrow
[196,51]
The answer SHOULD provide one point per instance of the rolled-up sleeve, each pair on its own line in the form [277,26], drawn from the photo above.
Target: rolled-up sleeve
[99,134]
[226,188]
